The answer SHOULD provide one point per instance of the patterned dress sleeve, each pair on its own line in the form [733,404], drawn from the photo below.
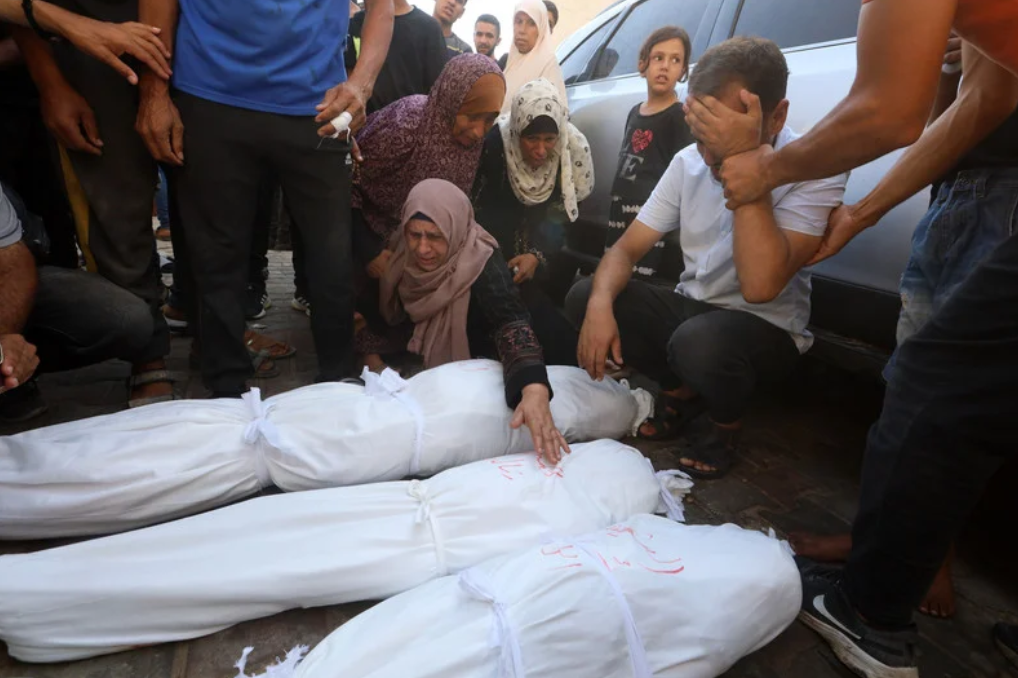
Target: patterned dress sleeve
[509,321]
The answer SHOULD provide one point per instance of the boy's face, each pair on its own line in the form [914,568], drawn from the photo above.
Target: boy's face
[450,11]
[730,97]
[665,66]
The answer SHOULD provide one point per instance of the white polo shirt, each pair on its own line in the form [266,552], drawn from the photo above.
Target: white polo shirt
[689,198]
[10,226]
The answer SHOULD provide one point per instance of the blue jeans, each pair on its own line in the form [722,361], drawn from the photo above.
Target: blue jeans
[950,415]
[968,219]
[163,201]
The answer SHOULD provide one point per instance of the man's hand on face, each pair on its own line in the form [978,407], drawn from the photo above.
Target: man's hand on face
[19,361]
[724,131]
[744,176]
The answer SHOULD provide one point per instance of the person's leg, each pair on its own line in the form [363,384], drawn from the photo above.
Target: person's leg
[216,191]
[722,356]
[163,207]
[316,183]
[257,300]
[300,278]
[80,319]
[120,187]
[947,425]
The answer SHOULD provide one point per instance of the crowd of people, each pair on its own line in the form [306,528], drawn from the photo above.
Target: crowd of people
[428,223]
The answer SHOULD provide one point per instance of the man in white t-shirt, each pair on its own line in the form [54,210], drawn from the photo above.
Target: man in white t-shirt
[739,313]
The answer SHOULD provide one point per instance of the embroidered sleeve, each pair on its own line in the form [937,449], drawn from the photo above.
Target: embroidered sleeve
[518,349]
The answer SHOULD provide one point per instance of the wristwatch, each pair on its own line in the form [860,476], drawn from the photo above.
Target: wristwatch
[29,10]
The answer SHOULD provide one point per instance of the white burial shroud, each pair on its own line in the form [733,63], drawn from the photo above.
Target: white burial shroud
[201,574]
[646,598]
[138,467]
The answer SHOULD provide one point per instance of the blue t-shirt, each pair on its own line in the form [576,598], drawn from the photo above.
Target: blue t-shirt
[277,56]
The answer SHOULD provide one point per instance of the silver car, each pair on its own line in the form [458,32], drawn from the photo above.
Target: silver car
[855,297]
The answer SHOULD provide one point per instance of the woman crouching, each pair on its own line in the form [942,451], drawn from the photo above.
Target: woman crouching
[447,275]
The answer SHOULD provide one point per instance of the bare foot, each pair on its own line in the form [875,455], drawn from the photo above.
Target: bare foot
[374,362]
[823,548]
[939,600]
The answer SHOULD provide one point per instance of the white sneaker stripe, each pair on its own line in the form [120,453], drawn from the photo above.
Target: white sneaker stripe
[818,603]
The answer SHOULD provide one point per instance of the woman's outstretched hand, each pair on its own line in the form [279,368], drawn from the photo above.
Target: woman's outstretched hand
[534,412]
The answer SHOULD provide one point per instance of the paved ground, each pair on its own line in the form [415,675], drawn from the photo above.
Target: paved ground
[799,471]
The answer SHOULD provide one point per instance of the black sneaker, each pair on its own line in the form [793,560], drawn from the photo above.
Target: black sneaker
[22,404]
[1006,637]
[869,652]
[256,302]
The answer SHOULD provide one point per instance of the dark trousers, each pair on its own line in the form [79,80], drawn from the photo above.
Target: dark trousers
[81,319]
[721,354]
[229,151]
[950,419]
[556,334]
[120,186]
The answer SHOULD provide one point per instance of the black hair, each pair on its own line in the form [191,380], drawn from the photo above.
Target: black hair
[756,63]
[490,19]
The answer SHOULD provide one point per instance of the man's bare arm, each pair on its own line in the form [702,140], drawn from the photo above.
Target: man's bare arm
[17,287]
[988,95]
[158,122]
[105,41]
[599,336]
[900,52]
[766,255]
[352,96]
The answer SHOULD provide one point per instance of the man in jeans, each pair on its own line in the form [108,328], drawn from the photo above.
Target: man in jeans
[739,313]
[949,417]
[64,318]
[237,122]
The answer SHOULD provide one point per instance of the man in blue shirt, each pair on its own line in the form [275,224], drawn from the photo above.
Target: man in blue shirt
[255,87]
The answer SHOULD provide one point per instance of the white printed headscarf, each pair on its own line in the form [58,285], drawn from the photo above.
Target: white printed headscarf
[571,153]
[540,62]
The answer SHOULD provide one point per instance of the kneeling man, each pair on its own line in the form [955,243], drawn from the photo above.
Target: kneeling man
[739,313]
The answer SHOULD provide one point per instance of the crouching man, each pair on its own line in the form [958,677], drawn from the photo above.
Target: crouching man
[739,313]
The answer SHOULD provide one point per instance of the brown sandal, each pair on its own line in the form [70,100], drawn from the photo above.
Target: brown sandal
[277,350]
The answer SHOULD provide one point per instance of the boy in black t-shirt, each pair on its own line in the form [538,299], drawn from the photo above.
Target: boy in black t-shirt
[655,131]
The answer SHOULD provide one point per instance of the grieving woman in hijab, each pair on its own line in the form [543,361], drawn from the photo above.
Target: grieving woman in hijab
[439,136]
[532,54]
[448,277]
[535,169]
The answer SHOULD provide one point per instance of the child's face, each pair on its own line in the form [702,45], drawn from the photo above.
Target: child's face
[665,66]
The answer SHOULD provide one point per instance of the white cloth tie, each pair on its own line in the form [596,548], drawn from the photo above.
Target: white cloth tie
[419,491]
[637,650]
[389,384]
[672,483]
[503,634]
[260,429]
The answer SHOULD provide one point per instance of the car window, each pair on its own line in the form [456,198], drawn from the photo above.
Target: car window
[574,66]
[792,23]
[621,55]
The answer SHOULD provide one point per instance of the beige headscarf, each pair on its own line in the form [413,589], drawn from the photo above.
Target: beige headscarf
[570,159]
[539,62]
[437,301]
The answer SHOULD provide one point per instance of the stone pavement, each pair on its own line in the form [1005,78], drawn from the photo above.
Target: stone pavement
[799,472]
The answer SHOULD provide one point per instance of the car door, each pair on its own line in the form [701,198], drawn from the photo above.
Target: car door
[604,83]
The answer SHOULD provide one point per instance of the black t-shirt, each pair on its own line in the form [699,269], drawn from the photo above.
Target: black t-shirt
[1000,149]
[416,57]
[650,143]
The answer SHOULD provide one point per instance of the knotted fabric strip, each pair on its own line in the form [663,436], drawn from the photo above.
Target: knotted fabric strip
[258,429]
[503,633]
[637,650]
[419,491]
[389,384]
[672,483]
